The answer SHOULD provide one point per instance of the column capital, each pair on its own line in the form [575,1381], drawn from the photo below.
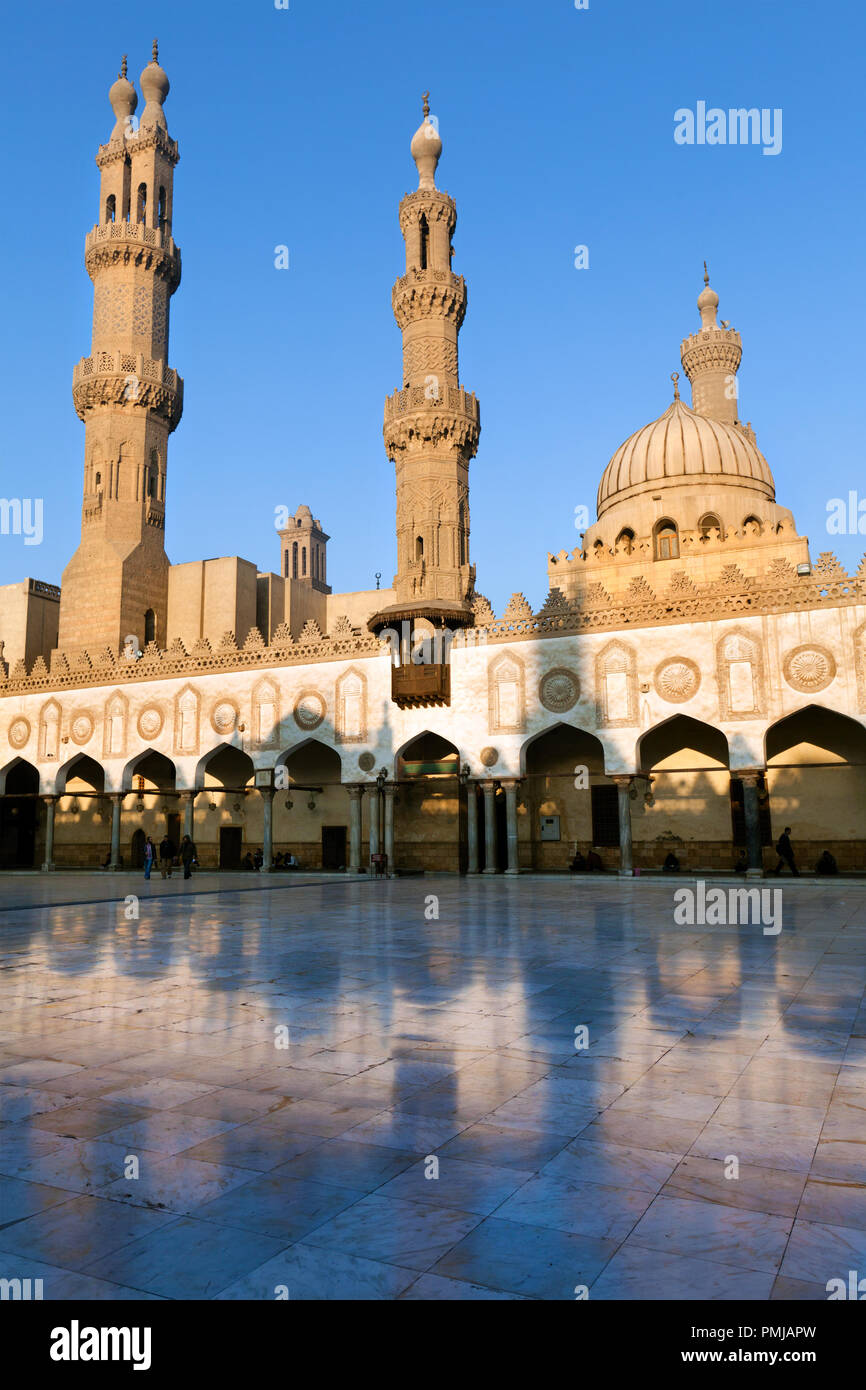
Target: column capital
[48,797]
[389,788]
[749,775]
[488,784]
[623,779]
[355,790]
[510,782]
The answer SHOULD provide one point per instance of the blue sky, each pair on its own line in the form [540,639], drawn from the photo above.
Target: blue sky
[294,127]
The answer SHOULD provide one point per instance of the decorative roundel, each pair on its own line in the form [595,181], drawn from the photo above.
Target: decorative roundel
[677,680]
[809,668]
[19,732]
[366,762]
[559,690]
[309,709]
[150,722]
[81,728]
[224,717]
[489,756]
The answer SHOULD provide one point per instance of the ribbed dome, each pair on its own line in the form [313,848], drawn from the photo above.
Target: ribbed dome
[681,446]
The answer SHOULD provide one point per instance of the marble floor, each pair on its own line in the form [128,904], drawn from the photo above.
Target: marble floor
[322,1089]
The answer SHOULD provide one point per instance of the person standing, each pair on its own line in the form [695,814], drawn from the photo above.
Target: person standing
[149,856]
[187,855]
[166,855]
[785,851]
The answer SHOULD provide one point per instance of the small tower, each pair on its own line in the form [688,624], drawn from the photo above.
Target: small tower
[432,424]
[303,551]
[711,360]
[129,398]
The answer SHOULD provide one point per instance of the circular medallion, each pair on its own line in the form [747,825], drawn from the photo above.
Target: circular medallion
[224,717]
[677,680]
[150,722]
[559,690]
[809,668]
[366,762]
[309,709]
[19,732]
[489,756]
[81,728]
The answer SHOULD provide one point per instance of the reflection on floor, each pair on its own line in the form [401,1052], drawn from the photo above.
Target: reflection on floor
[325,1090]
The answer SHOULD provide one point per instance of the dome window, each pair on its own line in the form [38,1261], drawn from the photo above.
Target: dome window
[625,540]
[667,541]
[708,524]
[752,526]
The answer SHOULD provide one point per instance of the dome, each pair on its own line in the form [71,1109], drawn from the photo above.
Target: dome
[426,147]
[683,447]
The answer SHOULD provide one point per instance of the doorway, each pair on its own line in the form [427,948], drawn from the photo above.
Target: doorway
[18,818]
[231,844]
[333,847]
[136,850]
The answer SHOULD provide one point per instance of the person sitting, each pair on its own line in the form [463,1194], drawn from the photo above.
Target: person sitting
[247,861]
[742,863]
[826,864]
[671,864]
[290,862]
[593,863]
[258,859]
[278,861]
[578,863]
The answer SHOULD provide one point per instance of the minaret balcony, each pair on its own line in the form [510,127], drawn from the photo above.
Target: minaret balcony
[451,398]
[109,243]
[429,293]
[127,378]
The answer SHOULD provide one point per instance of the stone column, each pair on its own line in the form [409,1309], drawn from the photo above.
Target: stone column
[267,829]
[188,799]
[510,788]
[752,814]
[623,786]
[489,787]
[116,805]
[472,825]
[48,863]
[373,802]
[389,791]
[355,794]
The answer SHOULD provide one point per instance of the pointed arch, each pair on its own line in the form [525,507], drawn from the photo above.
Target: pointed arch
[187,721]
[506,694]
[114,725]
[49,731]
[616,685]
[266,713]
[350,715]
[229,767]
[153,765]
[15,773]
[740,675]
[82,767]
[681,734]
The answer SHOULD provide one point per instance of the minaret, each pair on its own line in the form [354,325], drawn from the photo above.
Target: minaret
[431,424]
[711,360]
[130,400]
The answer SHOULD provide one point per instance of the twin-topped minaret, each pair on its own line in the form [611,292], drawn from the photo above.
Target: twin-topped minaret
[130,400]
[431,425]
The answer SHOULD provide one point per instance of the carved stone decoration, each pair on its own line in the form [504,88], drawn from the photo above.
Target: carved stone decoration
[81,727]
[809,668]
[150,722]
[559,690]
[506,694]
[740,674]
[616,686]
[310,709]
[367,762]
[224,717]
[186,721]
[489,757]
[860,665]
[351,708]
[19,732]
[49,730]
[677,679]
[266,714]
[114,726]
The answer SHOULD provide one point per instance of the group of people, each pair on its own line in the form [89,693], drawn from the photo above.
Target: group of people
[168,852]
[826,863]
[281,861]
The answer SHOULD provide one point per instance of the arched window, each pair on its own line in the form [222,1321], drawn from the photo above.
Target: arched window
[708,524]
[151,483]
[419,547]
[625,540]
[286,564]
[752,526]
[294,559]
[303,559]
[461,523]
[149,626]
[97,482]
[141,203]
[110,207]
[161,207]
[667,540]
[425,241]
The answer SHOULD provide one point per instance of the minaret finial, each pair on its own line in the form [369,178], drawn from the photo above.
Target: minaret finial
[706,274]
[426,105]
[154,57]
[122,72]
[675,376]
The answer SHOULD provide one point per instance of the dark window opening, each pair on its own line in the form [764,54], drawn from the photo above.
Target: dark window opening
[149,626]
[294,559]
[110,207]
[161,207]
[605,816]
[738,812]
[425,239]
[141,203]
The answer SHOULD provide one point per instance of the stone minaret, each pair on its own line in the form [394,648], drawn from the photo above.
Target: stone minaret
[130,400]
[432,424]
[711,360]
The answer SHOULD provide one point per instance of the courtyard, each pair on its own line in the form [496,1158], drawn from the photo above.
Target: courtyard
[320,1087]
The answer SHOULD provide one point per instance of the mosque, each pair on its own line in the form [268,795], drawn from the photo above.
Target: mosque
[693,683]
